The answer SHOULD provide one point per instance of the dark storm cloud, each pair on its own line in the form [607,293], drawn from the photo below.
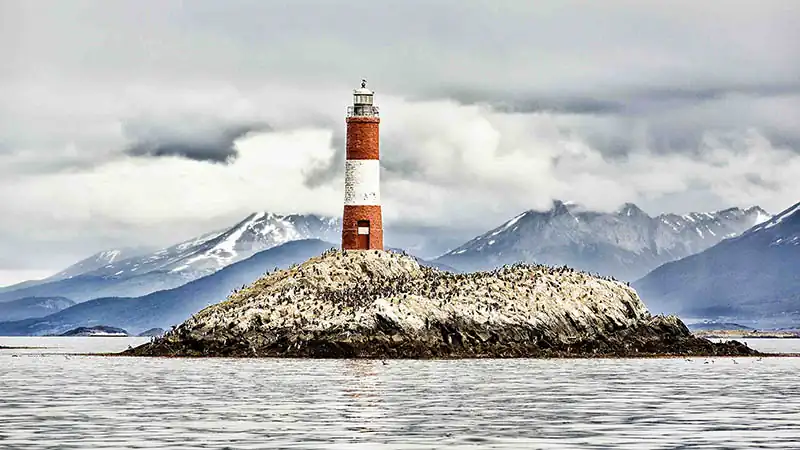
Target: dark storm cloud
[509,101]
[663,120]
[562,106]
[692,94]
[759,180]
[786,138]
[214,143]
[617,102]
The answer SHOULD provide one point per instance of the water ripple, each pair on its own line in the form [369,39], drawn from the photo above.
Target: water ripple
[51,401]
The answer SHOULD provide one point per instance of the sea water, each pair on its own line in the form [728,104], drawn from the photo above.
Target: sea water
[51,399]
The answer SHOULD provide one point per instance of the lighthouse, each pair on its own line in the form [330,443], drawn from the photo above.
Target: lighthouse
[362,225]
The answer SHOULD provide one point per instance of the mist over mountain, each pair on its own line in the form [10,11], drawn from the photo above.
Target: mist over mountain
[753,276]
[625,244]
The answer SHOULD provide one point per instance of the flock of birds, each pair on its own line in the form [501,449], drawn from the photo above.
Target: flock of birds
[338,284]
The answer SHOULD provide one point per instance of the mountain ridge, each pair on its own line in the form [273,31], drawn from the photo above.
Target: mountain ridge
[753,276]
[163,308]
[32,307]
[626,243]
[180,263]
[112,274]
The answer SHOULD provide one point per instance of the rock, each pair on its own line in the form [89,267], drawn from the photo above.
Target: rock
[375,304]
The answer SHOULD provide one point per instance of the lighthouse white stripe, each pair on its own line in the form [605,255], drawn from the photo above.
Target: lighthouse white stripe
[362,182]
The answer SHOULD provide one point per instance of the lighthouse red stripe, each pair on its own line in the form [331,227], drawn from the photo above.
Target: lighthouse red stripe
[354,214]
[363,137]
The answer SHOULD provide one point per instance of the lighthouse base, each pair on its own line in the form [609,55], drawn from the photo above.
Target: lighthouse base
[362,227]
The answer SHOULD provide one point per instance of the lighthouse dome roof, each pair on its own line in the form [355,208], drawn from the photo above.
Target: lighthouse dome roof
[362,91]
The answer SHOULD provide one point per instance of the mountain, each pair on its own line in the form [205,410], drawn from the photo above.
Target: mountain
[89,264]
[421,261]
[207,254]
[108,274]
[711,325]
[97,262]
[625,244]
[135,272]
[163,309]
[152,332]
[426,242]
[753,276]
[29,307]
[20,285]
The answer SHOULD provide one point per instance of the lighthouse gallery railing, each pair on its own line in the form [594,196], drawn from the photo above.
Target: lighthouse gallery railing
[362,111]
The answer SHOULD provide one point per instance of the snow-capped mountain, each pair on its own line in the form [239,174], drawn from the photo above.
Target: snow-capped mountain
[626,244]
[89,264]
[97,261]
[781,230]
[165,308]
[169,307]
[208,253]
[754,276]
[181,263]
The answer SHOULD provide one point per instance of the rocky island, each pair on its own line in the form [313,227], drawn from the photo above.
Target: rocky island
[377,304]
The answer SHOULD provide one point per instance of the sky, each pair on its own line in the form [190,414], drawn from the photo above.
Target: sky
[147,122]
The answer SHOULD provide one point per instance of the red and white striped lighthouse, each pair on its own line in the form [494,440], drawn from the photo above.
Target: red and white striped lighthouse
[362,225]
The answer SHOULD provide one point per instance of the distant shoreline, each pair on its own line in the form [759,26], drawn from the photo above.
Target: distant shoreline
[747,334]
[3,347]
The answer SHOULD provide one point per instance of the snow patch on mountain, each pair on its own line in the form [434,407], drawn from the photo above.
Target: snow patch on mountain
[626,243]
[751,276]
[208,253]
[780,218]
[97,261]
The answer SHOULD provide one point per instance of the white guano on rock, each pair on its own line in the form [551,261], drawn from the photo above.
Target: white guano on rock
[351,290]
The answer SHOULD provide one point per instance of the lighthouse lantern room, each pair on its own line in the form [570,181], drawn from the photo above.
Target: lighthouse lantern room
[362,225]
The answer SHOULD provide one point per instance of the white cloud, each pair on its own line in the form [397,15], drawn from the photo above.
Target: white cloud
[445,163]
[690,106]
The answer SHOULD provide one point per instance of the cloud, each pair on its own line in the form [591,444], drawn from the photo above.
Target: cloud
[188,139]
[124,124]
